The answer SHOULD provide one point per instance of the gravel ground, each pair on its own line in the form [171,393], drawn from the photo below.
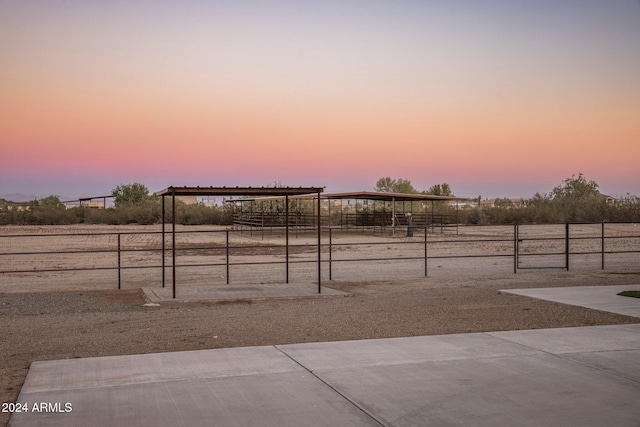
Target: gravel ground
[70,324]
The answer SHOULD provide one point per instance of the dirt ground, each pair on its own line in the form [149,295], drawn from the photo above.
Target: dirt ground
[67,320]
[259,256]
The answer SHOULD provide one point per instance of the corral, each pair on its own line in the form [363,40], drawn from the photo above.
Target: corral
[111,257]
[362,211]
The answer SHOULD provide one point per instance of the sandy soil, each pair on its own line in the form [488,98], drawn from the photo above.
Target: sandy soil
[71,315]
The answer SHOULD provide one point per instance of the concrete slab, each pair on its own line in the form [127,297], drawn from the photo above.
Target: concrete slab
[558,377]
[286,398]
[625,363]
[603,298]
[515,380]
[228,387]
[615,349]
[524,391]
[111,371]
[257,292]
[410,350]
[577,340]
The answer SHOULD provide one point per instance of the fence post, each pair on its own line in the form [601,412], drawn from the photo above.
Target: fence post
[425,252]
[119,264]
[515,248]
[227,257]
[330,257]
[566,246]
[602,243]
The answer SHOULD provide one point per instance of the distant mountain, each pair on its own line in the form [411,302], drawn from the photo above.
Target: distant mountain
[19,197]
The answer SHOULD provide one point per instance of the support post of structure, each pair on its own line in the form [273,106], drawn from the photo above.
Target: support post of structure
[319,251]
[163,244]
[286,235]
[457,218]
[173,239]
[393,216]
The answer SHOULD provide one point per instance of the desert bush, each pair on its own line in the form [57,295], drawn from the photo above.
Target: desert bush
[627,209]
[8,217]
[548,211]
[199,214]
[148,212]
[575,200]
[47,211]
[100,216]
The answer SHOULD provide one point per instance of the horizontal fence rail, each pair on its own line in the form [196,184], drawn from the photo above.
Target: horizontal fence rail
[524,246]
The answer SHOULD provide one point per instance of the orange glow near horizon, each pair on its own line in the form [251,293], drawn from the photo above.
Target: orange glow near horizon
[269,99]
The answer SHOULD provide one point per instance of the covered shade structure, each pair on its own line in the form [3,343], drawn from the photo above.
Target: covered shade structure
[285,192]
[89,201]
[380,195]
[374,217]
[392,198]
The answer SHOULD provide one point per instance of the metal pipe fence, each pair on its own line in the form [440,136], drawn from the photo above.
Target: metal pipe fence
[231,254]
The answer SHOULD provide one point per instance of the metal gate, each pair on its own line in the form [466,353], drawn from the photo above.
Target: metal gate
[542,247]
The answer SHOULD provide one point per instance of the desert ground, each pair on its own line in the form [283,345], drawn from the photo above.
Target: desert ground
[259,255]
[59,315]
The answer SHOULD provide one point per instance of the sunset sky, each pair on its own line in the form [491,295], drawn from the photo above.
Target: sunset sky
[496,98]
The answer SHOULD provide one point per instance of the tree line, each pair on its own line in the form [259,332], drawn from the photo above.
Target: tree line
[576,199]
[133,204]
[400,185]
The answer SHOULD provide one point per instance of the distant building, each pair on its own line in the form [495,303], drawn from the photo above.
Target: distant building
[503,202]
[607,199]
[462,204]
[188,200]
[208,200]
[92,204]
[18,207]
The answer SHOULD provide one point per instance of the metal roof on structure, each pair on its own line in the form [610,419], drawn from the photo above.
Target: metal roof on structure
[238,191]
[376,195]
[87,199]
[365,195]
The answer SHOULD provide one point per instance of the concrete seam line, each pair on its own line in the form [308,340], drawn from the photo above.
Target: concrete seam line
[568,359]
[355,404]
